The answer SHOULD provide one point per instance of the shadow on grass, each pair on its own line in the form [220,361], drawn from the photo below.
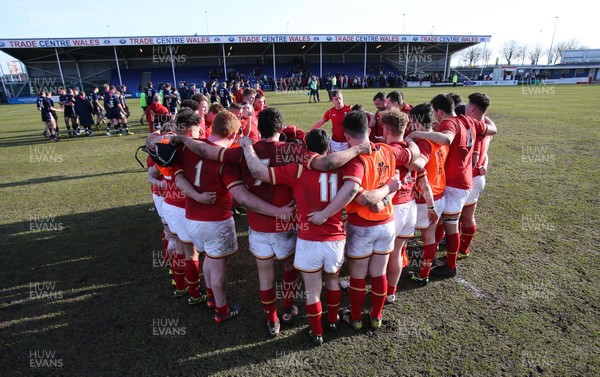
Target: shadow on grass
[88,290]
[60,178]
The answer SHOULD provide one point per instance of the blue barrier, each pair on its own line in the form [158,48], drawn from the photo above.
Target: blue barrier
[21,100]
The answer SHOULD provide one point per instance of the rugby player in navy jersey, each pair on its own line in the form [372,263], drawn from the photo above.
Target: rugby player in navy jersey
[123,102]
[173,101]
[49,96]
[97,108]
[204,90]
[225,96]
[114,112]
[39,102]
[106,94]
[44,104]
[150,92]
[119,115]
[67,100]
[166,95]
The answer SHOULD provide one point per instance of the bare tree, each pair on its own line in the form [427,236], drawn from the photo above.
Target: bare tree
[535,53]
[522,52]
[561,47]
[471,55]
[486,53]
[508,50]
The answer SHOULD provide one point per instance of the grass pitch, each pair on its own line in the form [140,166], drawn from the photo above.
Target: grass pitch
[82,294]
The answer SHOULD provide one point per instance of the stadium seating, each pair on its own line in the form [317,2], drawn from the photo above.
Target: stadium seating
[133,78]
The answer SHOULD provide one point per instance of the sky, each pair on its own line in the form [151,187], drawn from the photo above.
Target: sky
[529,22]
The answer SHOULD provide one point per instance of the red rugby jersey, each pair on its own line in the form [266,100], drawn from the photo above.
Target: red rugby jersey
[313,191]
[459,171]
[209,176]
[271,154]
[408,177]
[252,122]
[337,118]
[376,131]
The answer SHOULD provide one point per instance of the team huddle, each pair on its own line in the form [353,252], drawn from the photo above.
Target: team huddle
[315,201]
[80,109]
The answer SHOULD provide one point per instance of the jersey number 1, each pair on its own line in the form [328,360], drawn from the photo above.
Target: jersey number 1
[331,190]
[198,171]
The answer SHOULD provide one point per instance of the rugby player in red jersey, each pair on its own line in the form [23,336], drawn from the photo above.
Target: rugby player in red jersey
[184,262]
[202,110]
[249,95]
[211,226]
[476,109]
[370,117]
[238,93]
[320,244]
[156,114]
[429,189]
[395,99]
[158,186]
[336,114]
[370,235]
[249,122]
[376,135]
[459,132]
[195,107]
[394,124]
[259,103]
[213,110]
[260,91]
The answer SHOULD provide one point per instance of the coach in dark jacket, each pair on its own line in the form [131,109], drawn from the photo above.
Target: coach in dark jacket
[84,109]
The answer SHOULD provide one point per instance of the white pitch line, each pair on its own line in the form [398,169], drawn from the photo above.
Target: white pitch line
[471,287]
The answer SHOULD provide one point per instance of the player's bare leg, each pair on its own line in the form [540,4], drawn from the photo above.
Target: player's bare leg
[116,126]
[126,126]
[377,268]
[51,130]
[210,300]
[313,282]
[218,281]
[68,124]
[266,273]
[468,229]
[100,118]
[107,123]
[76,129]
[394,268]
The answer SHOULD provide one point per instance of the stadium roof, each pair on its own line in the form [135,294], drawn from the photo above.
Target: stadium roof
[81,49]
